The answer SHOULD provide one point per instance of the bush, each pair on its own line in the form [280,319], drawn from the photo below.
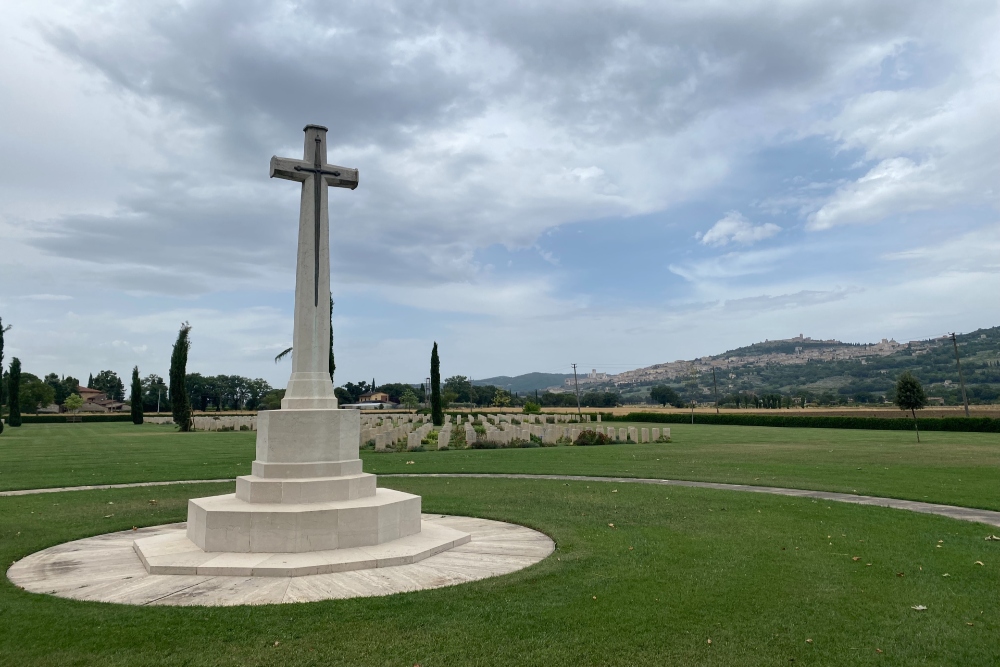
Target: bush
[963,424]
[532,408]
[589,438]
[484,444]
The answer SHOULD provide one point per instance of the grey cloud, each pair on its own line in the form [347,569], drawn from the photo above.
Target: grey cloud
[398,82]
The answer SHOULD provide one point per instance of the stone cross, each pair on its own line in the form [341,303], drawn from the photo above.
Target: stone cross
[310,385]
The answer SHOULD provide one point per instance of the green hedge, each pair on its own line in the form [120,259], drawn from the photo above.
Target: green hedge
[973,424]
[61,419]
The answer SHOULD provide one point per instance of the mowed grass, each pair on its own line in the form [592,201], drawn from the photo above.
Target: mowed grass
[759,576]
[949,468]
[35,456]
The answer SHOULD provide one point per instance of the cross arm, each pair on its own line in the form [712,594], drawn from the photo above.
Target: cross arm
[340,177]
[283,167]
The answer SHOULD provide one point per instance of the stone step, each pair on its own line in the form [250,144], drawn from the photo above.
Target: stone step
[253,489]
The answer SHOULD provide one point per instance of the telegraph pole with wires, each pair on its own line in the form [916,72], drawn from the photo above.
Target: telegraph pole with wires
[715,385]
[961,380]
[576,383]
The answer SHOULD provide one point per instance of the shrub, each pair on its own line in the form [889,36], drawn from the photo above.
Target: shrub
[589,438]
[484,444]
[532,408]
[964,424]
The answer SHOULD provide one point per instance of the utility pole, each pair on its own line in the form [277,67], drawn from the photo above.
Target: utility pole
[716,386]
[961,380]
[577,384]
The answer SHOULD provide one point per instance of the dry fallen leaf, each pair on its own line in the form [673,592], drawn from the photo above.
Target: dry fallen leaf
[614,490]
[978,562]
[611,525]
[969,624]
[918,607]
[878,650]
[276,643]
[993,538]
[709,641]
[595,597]
[900,574]
[809,641]
[945,575]
[856,558]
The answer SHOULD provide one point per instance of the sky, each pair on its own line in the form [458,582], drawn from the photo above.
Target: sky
[612,184]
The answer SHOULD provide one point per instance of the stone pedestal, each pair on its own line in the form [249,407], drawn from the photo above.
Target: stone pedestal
[306,493]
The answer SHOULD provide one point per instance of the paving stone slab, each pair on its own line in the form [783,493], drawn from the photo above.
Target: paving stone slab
[106,568]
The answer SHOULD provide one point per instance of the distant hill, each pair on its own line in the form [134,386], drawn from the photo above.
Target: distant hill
[831,369]
[527,383]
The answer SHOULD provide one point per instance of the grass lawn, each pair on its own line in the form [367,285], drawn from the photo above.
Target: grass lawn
[758,575]
[950,468]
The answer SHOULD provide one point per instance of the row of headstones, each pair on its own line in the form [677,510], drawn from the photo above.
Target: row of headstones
[506,433]
[387,430]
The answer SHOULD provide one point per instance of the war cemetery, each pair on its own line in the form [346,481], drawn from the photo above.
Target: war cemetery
[573,244]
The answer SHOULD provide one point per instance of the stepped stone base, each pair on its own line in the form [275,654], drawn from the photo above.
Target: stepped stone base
[174,553]
[228,524]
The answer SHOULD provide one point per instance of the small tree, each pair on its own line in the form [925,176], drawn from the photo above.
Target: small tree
[663,395]
[501,399]
[14,393]
[910,396]
[136,397]
[437,412]
[409,399]
[73,402]
[180,407]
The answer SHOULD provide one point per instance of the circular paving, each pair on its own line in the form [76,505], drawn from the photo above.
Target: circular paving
[106,568]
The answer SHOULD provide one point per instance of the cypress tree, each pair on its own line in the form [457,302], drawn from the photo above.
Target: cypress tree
[90,381]
[14,393]
[2,331]
[437,413]
[333,366]
[180,407]
[136,397]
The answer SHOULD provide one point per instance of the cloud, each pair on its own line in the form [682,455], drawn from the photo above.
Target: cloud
[732,265]
[737,229]
[480,127]
[929,147]
[47,297]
